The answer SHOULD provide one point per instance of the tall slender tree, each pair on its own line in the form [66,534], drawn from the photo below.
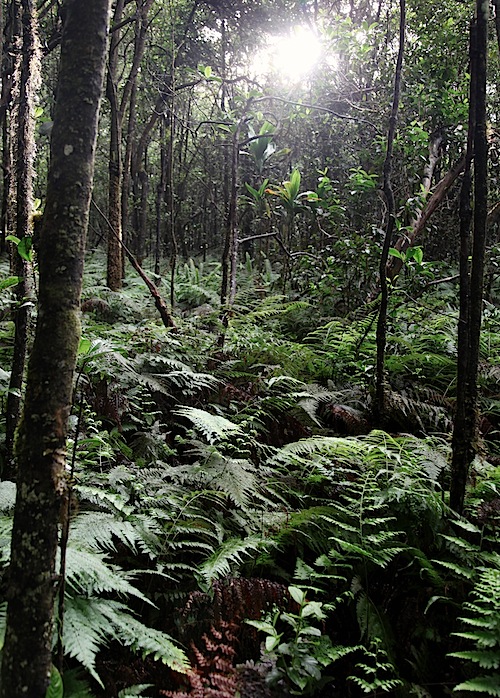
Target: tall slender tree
[26,80]
[31,584]
[380,388]
[465,429]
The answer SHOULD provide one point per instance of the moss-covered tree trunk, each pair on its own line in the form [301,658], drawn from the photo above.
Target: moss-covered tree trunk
[41,443]
[20,205]
[465,431]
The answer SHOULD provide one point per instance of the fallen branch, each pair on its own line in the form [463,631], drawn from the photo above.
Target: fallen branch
[407,239]
[160,304]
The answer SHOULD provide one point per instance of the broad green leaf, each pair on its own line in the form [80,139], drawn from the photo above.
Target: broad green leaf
[297,595]
[294,184]
[271,642]
[25,248]
[208,71]
[56,689]
[13,238]
[84,346]
[262,625]
[415,253]
[396,253]
[9,281]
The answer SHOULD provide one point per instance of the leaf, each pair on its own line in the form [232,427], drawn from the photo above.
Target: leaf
[134,690]
[212,426]
[207,71]
[294,184]
[483,684]
[415,253]
[3,623]
[396,253]
[55,689]
[25,248]
[10,281]
[298,595]
[230,553]
[84,346]
[262,625]
[13,238]
[272,641]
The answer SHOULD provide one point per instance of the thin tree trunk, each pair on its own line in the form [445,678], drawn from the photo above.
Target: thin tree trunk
[118,181]
[380,387]
[41,443]
[465,431]
[26,81]
[230,254]
[160,198]
[115,262]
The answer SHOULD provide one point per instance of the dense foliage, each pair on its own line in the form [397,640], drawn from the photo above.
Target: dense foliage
[240,523]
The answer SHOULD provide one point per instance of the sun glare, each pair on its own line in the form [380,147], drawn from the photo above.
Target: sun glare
[291,56]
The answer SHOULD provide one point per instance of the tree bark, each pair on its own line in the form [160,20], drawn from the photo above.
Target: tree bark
[119,170]
[115,262]
[20,218]
[42,432]
[465,431]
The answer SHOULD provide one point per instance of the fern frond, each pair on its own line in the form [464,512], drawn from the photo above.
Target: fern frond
[89,573]
[489,685]
[7,496]
[213,427]
[132,633]
[5,537]
[3,623]
[86,631]
[90,624]
[100,530]
[229,556]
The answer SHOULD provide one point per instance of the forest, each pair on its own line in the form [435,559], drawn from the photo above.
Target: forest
[249,348]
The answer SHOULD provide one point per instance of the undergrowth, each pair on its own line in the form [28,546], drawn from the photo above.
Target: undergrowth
[238,516]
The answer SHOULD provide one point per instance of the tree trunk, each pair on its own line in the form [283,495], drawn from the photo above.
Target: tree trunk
[115,262]
[380,388]
[465,431]
[118,175]
[26,82]
[42,432]
[160,198]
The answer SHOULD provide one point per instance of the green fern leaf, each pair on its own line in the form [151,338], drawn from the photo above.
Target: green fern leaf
[86,631]
[230,554]
[135,690]
[89,573]
[485,659]
[7,496]
[131,632]
[490,685]
[213,427]
[3,623]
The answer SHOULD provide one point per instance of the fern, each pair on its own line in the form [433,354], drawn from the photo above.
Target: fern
[484,619]
[213,427]
[7,496]
[230,554]
[3,623]
[89,624]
